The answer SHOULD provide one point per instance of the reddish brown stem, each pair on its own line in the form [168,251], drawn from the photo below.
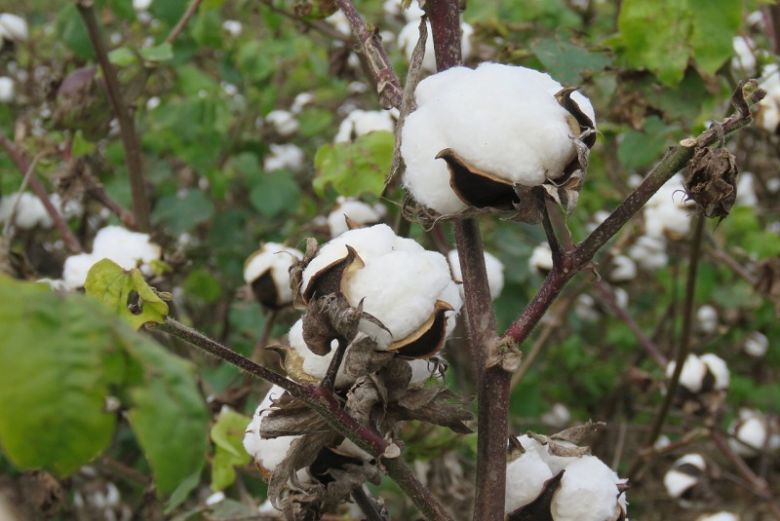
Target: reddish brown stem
[183,21]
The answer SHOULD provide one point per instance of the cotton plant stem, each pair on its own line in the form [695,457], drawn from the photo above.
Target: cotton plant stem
[367,505]
[121,111]
[23,165]
[183,21]
[324,403]
[322,27]
[387,84]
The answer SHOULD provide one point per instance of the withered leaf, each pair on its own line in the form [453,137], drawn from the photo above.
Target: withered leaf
[583,434]
[441,407]
[363,358]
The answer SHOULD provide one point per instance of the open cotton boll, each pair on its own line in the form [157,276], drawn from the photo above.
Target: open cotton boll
[707,318]
[126,248]
[556,463]
[361,122]
[588,492]
[753,432]
[13,27]
[401,290]
[684,474]
[283,122]
[649,252]
[718,369]
[692,375]
[493,267]
[585,308]
[407,40]
[284,157]
[558,416]
[744,60]
[338,21]
[141,5]
[271,263]
[358,213]
[746,192]
[6,89]
[718,516]
[768,115]
[623,269]
[666,212]
[306,366]
[301,101]
[30,211]
[232,27]
[525,477]
[756,344]
[541,258]
[267,452]
[76,268]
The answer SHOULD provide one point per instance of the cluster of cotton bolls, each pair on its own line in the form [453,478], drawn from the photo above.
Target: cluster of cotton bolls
[576,486]
[126,248]
[454,149]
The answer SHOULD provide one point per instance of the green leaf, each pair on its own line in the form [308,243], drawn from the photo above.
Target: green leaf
[355,168]
[566,62]
[122,57]
[715,23]
[640,149]
[53,382]
[227,435]
[122,290]
[182,214]
[274,192]
[157,53]
[654,36]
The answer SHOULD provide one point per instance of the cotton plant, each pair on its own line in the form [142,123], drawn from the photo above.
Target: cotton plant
[453,144]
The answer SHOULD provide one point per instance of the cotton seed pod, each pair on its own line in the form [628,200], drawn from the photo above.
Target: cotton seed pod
[718,369]
[692,375]
[526,475]
[756,344]
[449,170]
[712,181]
[589,491]
[719,516]
[649,252]
[352,213]
[685,475]
[493,267]
[267,271]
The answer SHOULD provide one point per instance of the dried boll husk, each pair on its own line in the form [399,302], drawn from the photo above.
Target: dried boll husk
[267,271]
[454,144]
[712,181]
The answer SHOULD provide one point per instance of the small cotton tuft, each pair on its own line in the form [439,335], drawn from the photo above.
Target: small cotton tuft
[756,344]
[362,122]
[541,259]
[493,267]
[623,269]
[666,213]
[707,318]
[719,516]
[283,122]
[692,375]
[13,28]
[358,213]
[276,259]
[407,40]
[718,369]
[6,89]
[284,157]
[588,492]
[267,452]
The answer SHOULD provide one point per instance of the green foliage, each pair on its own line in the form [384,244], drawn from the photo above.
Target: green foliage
[182,213]
[355,168]
[227,435]
[566,62]
[126,293]
[641,149]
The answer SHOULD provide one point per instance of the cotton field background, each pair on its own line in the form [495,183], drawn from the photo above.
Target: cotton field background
[345,260]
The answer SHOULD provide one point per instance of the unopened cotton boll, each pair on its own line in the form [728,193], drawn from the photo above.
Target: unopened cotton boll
[361,122]
[692,375]
[469,115]
[6,89]
[525,477]
[353,212]
[284,157]
[13,27]
[707,319]
[283,122]
[718,516]
[493,267]
[407,40]
[756,344]
[541,259]
[268,272]
[588,492]
[623,269]
[684,475]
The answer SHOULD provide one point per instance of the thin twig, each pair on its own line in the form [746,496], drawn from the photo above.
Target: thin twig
[318,26]
[367,505]
[121,111]
[183,21]
[70,240]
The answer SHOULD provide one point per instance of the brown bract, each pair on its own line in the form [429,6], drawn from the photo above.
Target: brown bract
[333,277]
[712,181]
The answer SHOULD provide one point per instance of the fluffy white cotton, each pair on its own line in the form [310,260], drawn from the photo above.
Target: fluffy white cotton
[707,319]
[649,252]
[141,5]
[769,107]
[267,453]
[301,100]
[558,416]
[339,22]
[277,258]
[232,27]
[718,369]
[361,122]
[623,269]
[756,344]
[13,27]
[358,212]
[395,8]
[313,365]
[693,372]
[30,211]
[677,482]
[476,113]
[407,40]
[216,497]
[284,157]
[493,267]
[744,60]
[6,89]
[746,191]
[400,289]
[541,258]
[719,516]
[525,477]
[666,213]
[556,463]
[283,122]
[588,492]
[585,308]
[751,435]
[127,249]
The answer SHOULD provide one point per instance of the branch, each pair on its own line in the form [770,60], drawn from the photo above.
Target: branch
[126,124]
[183,21]
[387,84]
[321,27]
[327,405]
[21,162]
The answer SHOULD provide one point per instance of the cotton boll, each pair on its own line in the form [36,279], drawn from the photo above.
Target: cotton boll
[493,267]
[422,371]
[74,272]
[623,269]
[232,27]
[267,452]
[752,433]
[358,213]
[666,213]
[621,297]
[756,344]
[718,516]
[707,319]
[556,463]
[284,157]
[585,308]
[541,258]
[338,21]
[141,5]
[649,252]
[283,122]
[525,477]
[557,417]
[308,367]
[68,209]
[746,193]
[361,122]
[272,261]
[692,375]
[588,492]
[744,60]
[301,100]
[6,89]
[13,27]
[718,369]
[216,497]
[126,248]
[30,211]
[684,475]
[768,115]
